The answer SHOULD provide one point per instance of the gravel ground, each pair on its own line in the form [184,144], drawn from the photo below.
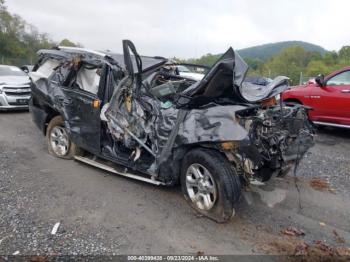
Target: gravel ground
[23,229]
[100,213]
[330,159]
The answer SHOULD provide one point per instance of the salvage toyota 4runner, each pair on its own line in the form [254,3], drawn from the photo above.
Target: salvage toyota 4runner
[138,117]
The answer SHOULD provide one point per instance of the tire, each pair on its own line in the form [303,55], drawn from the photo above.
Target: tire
[222,190]
[57,138]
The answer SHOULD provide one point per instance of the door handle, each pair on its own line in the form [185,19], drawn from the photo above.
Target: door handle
[345,91]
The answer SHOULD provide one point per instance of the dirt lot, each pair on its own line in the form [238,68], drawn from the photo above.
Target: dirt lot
[100,213]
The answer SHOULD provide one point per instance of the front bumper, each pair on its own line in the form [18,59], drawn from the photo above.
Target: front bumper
[14,98]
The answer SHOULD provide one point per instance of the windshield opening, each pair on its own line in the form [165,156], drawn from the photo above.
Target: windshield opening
[182,68]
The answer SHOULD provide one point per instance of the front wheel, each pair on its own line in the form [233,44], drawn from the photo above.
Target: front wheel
[210,184]
[58,141]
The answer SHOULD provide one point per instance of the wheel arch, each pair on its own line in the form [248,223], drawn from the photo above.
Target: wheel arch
[292,100]
[51,113]
[175,160]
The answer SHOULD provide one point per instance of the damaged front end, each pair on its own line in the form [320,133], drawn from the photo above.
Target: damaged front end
[157,116]
[278,137]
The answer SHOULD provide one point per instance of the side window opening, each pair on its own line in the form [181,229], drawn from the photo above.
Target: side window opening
[88,79]
[340,79]
[45,70]
[85,78]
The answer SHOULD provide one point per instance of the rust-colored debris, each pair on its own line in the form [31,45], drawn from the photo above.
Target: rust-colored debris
[293,231]
[337,237]
[319,184]
[343,251]
[279,246]
[39,259]
[322,245]
[301,249]
[317,251]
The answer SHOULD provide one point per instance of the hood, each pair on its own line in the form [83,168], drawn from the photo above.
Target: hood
[14,80]
[227,77]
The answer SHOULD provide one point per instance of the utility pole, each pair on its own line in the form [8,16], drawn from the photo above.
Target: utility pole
[268,68]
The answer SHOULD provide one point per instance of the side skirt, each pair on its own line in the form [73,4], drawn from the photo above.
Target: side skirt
[119,171]
[330,124]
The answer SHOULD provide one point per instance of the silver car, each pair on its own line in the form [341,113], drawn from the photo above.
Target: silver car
[14,88]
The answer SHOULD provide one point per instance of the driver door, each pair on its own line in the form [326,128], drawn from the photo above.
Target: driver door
[331,103]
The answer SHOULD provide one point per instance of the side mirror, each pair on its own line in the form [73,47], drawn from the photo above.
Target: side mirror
[320,80]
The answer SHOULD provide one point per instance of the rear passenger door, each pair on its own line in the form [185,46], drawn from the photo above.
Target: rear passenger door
[82,109]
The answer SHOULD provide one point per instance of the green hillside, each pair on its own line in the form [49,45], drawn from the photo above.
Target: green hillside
[261,52]
[295,59]
[266,51]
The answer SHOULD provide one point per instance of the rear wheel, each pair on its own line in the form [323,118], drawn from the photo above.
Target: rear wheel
[58,141]
[210,184]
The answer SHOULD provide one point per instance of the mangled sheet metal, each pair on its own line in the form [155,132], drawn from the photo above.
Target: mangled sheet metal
[230,71]
[151,116]
[209,112]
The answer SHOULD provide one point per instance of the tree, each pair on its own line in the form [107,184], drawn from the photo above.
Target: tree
[207,60]
[2,4]
[330,58]
[19,41]
[253,63]
[289,62]
[66,42]
[317,67]
[344,53]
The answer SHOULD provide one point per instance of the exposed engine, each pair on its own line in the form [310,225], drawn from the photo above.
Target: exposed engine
[278,136]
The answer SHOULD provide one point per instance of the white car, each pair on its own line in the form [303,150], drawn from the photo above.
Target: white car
[185,72]
[14,88]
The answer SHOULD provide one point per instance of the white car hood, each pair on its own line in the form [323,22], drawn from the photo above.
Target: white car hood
[14,80]
[194,76]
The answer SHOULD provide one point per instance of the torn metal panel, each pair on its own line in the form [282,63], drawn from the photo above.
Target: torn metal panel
[212,124]
[226,79]
[253,92]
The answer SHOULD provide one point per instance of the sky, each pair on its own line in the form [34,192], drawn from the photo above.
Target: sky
[188,28]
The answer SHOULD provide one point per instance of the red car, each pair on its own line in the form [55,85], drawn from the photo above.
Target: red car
[328,96]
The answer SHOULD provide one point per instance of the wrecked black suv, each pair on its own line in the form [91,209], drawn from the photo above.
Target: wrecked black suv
[138,117]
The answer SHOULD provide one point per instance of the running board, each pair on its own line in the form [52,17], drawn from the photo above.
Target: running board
[115,171]
[330,124]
